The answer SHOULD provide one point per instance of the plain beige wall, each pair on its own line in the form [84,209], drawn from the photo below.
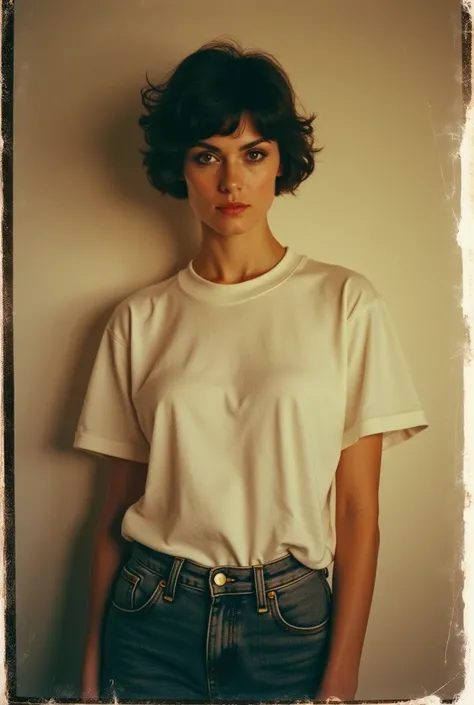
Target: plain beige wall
[383,77]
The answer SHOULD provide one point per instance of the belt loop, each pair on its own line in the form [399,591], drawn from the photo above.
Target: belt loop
[260,589]
[173,579]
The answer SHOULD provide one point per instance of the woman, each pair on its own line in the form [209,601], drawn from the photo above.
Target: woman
[243,405]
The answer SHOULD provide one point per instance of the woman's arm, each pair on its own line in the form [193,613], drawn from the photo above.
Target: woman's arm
[125,485]
[355,564]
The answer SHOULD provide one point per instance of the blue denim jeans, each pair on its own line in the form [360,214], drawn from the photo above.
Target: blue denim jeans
[177,630]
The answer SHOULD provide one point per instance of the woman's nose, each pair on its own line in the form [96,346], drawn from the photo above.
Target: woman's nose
[231,178]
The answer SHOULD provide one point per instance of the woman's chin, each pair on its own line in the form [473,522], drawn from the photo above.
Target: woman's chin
[227,230]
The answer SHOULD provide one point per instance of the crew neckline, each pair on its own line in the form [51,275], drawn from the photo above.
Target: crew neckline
[221,294]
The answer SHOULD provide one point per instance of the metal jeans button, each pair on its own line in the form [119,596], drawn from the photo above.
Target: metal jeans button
[220,579]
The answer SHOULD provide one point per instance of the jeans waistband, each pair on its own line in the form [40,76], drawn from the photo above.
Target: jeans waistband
[223,579]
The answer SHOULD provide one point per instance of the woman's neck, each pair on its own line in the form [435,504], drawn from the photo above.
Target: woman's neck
[231,261]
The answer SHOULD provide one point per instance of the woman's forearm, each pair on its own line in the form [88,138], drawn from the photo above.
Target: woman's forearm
[125,483]
[355,567]
[108,554]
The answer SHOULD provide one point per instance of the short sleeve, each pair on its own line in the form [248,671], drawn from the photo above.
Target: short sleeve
[381,397]
[108,424]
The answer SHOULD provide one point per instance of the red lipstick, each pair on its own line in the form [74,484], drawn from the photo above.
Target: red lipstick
[233,208]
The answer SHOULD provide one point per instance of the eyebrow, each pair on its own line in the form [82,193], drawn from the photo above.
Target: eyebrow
[213,148]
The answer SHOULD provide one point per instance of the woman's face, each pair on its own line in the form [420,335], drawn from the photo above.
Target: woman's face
[232,169]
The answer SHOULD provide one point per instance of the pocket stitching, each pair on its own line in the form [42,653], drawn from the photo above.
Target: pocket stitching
[273,598]
[126,572]
[151,600]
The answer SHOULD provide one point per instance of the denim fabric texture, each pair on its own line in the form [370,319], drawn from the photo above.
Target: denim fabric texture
[176,630]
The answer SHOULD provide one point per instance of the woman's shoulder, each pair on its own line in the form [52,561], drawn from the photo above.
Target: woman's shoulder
[138,307]
[350,287]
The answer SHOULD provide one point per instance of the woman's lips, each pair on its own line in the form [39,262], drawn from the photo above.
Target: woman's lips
[232,210]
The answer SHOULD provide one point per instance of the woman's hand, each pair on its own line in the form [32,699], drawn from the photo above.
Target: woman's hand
[337,692]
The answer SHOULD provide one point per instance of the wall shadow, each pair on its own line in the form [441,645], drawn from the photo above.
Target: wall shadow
[115,145]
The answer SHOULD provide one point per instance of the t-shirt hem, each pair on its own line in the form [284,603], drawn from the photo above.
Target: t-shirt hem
[396,429]
[105,447]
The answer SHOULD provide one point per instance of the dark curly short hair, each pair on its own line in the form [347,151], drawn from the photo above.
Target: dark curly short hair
[207,94]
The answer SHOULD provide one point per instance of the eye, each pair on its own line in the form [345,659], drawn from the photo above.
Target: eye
[259,153]
[201,158]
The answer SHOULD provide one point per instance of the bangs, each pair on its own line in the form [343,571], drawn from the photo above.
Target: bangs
[220,107]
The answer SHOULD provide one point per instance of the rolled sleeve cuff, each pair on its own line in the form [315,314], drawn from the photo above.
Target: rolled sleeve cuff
[396,429]
[105,447]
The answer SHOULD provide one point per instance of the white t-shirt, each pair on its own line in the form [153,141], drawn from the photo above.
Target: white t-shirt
[241,397]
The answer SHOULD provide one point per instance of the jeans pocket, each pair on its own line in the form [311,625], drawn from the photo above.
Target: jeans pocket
[304,606]
[137,588]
